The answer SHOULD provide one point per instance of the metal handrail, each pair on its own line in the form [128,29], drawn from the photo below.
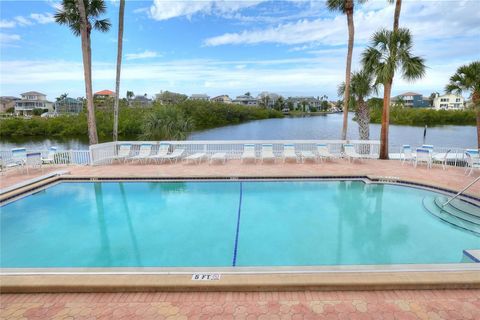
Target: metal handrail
[462,191]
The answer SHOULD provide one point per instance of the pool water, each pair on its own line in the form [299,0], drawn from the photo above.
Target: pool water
[249,223]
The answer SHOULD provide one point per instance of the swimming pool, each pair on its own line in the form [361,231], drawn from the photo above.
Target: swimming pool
[225,224]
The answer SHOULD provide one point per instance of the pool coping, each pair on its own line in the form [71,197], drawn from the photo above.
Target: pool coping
[372,277]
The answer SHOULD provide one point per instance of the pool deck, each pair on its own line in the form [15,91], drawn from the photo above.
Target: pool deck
[389,305]
[453,178]
[281,296]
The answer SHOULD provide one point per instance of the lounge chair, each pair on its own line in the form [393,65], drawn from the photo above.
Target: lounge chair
[6,165]
[407,154]
[473,160]
[441,158]
[50,159]
[423,155]
[249,152]
[143,153]
[123,152]
[350,153]
[174,156]
[195,158]
[218,157]
[289,153]
[33,161]
[19,156]
[308,155]
[162,151]
[324,153]
[267,152]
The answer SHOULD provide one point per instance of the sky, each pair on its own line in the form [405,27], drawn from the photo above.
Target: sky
[292,48]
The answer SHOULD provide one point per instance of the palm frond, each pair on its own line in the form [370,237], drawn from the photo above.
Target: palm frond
[102,25]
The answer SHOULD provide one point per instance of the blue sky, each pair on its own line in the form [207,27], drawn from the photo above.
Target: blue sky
[216,47]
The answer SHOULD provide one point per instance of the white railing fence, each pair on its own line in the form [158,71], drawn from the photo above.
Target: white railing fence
[64,157]
[105,153]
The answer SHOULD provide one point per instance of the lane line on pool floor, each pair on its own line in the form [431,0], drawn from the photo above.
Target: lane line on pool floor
[234,262]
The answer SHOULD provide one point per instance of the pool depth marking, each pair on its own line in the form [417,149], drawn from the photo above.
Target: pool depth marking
[238,226]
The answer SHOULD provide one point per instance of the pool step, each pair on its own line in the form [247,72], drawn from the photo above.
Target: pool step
[431,206]
[468,214]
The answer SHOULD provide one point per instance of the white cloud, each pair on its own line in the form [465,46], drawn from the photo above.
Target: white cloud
[42,18]
[22,21]
[143,55]
[165,9]
[8,38]
[426,19]
[7,24]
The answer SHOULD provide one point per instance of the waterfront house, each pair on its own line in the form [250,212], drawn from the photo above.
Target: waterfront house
[7,102]
[69,106]
[246,100]
[104,94]
[304,103]
[32,100]
[222,99]
[448,102]
[268,99]
[411,100]
[140,101]
[199,97]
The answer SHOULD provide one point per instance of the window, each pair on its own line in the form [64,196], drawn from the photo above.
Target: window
[457,100]
[444,100]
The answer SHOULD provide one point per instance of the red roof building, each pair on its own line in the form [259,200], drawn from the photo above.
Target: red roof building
[104,94]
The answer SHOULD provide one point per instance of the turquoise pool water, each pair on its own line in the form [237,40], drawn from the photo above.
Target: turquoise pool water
[253,223]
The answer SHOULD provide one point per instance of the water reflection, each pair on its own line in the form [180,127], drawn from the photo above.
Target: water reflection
[104,239]
[138,259]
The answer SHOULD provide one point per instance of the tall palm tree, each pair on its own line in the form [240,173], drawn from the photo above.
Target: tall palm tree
[119,66]
[467,78]
[81,16]
[389,51]
[346,7]
[396,16]
[361,86]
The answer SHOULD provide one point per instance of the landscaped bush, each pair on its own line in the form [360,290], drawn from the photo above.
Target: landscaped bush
[421,117]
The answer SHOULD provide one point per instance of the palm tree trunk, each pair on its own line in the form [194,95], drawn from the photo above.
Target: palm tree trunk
[396,19]
[119,67]
[87,70]
[387,88]
[363,118]
[351,33]
[476,105]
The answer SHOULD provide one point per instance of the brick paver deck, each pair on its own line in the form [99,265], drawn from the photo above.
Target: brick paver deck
[420,304]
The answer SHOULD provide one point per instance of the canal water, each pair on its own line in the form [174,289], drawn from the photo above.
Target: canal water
[325,127]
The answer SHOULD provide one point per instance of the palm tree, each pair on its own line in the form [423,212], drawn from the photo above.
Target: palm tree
[119,66]
[81,16]
[361,86]
[391,50]
[467,78]
[166,123]
[346,7]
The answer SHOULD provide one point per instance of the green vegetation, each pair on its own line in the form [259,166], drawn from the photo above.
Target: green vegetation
[135,122]
[421,117]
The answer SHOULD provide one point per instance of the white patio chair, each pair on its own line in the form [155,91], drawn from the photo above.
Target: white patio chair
[143,154]
[308,155]
[50,159]
[123,153]
[289,153]
[473,160]
[195,158]
[350,153]
[267,153]
[407,154]
[33,161]
[423,155]
[249,153]
[324,153]
[161,152]
[219,157]
[174,156]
